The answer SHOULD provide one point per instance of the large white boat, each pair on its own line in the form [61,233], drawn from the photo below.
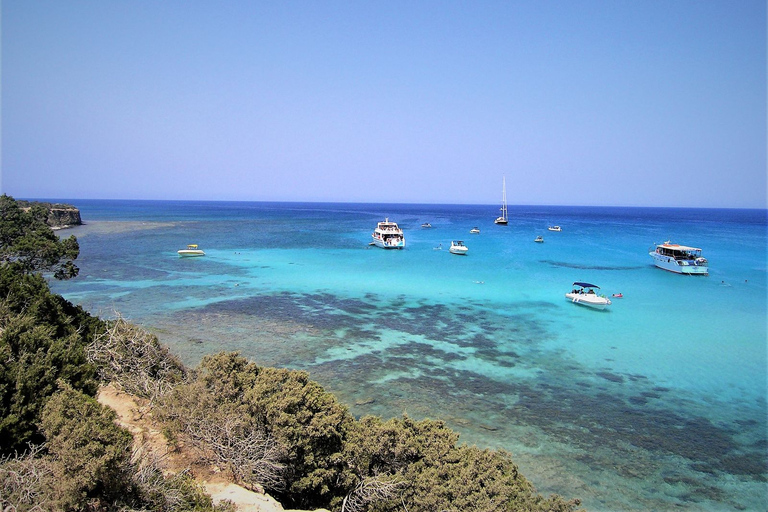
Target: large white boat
[679,258]
[555,228]
[191,250]
[504,218]
[458,247]
[388,235]
[586,294]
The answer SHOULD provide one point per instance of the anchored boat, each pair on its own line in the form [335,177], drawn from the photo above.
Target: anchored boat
[679,259]
[586,294]
[458,247]
[388,235]
[191,250]
[504,218]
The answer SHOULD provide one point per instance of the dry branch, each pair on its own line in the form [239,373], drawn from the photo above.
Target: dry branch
[134,359]
[370,490]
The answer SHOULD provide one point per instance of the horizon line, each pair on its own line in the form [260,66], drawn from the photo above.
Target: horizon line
[62,200]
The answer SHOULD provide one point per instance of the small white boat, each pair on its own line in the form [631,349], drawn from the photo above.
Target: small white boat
[585,294]
[555,228]
[388,235]
[539,240]
[458,247]
[426,225]
[504,218]
[475,230]
[679,259]
[191,250]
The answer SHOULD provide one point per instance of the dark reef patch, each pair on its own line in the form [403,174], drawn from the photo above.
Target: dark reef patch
[579,266]
[612,377]
[427,365]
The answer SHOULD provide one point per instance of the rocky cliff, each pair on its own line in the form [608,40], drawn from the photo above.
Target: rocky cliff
[64,217]
[59,215]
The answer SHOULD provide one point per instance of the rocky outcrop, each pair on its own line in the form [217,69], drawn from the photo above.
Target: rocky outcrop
[59,215]
[64,217]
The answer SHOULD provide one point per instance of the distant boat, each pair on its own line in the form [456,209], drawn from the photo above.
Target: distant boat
[504,219]
[426,225]
[191,250]
[555,228]
[679,259]
[458,247]
[585,294]
[388,235]
[475,230]
[539,240]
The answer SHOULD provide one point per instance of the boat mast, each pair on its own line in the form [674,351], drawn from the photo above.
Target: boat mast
[504,197]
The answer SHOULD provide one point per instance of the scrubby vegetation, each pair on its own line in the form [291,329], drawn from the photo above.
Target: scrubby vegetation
[268,428]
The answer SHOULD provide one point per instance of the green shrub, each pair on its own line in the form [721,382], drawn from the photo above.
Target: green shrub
[92,453]
[42,340]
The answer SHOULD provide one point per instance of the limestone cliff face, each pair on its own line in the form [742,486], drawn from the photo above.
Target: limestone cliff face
[62,217]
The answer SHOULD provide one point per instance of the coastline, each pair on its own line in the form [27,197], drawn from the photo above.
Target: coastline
[559,385]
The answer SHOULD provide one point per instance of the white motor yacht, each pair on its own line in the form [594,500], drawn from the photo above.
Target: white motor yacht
[458,247]
[388,235]
[679,259]
[191,250]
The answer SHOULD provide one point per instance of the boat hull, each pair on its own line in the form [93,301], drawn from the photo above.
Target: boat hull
[590,300]
[501,221]
[461,251]
[188,253]
[678,266]
[378,242]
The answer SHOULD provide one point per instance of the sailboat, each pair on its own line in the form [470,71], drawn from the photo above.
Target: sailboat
[504,219]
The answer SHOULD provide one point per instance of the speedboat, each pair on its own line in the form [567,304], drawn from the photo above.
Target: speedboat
[475,230]
[426,225]
[458,247]
[679,259]
[388,235]
[191,250]
[555,228]
[539,240]
[586,295]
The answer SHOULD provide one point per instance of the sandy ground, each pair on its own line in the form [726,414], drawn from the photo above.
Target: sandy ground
[134,414]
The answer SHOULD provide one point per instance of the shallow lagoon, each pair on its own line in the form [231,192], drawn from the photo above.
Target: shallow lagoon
[658,403]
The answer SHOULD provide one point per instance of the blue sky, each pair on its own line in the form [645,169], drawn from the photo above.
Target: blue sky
[651,103]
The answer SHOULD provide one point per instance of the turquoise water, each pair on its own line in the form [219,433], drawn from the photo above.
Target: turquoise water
[657,403]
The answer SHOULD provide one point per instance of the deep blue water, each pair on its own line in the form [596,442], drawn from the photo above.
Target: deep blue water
[658,403]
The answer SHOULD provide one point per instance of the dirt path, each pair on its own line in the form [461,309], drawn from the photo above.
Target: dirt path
[134,414]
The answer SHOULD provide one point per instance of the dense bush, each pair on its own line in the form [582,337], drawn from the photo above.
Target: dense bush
[42,340]
[92,453]
[326,458]
[42,336]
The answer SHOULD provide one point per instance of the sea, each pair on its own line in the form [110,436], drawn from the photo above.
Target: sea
[656,403]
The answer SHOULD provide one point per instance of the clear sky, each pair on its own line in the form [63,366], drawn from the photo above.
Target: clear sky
[614,102]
